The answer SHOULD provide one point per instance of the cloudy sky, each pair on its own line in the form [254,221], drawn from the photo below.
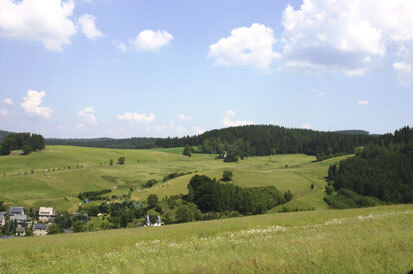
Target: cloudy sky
[117,68]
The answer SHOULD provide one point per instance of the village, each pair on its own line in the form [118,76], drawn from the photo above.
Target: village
[16,220]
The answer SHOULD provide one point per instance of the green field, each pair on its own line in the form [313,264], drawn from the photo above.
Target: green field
[368,240]
[44,178]
[318,240]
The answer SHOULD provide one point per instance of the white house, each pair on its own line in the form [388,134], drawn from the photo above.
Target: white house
[39,229]
[2,219]
[46,213]
[20,219]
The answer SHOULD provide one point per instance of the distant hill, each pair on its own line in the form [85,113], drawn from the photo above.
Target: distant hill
[3,135]
[130,143]
[353,132]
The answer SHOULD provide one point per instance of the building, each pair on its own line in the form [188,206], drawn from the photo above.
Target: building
[46,214]
[20,231]
[2,219]
[39,229]
[15,211]
[20,219]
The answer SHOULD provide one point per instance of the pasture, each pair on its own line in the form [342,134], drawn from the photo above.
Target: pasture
[55,176]
[368,240]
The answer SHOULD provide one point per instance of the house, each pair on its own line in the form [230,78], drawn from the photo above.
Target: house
[20,231]
[15,211]
[2,218]
[20,219]
[158,221]
[46,214]
[39,229]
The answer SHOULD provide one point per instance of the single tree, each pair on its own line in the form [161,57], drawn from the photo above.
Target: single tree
[152,200]
[227,176]
[121,160]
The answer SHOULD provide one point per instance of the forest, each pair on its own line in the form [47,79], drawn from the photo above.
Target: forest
[22,141]
[380,170]
[259,140]
[129,143]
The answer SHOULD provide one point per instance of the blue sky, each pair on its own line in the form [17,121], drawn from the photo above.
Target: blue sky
[171,68]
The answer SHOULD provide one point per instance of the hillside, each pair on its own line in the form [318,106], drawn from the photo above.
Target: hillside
[54,184]
[369,240]
[3,135]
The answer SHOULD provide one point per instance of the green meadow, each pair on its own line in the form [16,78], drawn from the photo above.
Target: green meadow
[368,240]
[55,176]
[316,240]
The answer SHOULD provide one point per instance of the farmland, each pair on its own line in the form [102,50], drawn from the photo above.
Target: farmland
[54,177]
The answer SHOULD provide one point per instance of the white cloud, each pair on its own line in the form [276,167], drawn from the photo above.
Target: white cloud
[87,115]
[228,122]
[362,102]
[151,40]
[45,21]
[183,117]
[346,35]
[4,112]
[137,118]
[404,72]
[120,45]
[87,24]
[32,104]
[246,46]
[197,130]
[307,126]
[8,101]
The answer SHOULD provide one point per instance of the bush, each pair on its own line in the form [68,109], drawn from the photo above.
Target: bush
[121,160]
[188,212]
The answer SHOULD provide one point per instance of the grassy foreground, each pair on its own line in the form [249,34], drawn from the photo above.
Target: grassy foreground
[368,240]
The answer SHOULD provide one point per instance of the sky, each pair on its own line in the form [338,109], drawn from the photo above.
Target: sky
[117,68]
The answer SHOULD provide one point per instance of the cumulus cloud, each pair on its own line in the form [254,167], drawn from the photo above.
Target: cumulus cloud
[4,112]
[87,115]
[7,101]
[197,130]
[120,45]
[346,35]
[32,104]
[151,40]
[183,117]
[87,24]
[137,118]
[362,102]
[307,126]
[45,21]
[228,120]
[246,46]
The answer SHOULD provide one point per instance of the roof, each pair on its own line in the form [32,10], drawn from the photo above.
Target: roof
[46,211]
[40,227]
[16,210]
[18,217]
[20,229]
[2,215]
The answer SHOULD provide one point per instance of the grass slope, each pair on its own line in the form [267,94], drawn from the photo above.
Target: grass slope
[53,184]
[368,240]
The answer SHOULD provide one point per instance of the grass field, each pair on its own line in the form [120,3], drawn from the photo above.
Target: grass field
[368,240]
[55,176]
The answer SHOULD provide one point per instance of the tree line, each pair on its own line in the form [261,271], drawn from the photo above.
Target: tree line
[381,170]
[129,143]
[22,141]
[269,139]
